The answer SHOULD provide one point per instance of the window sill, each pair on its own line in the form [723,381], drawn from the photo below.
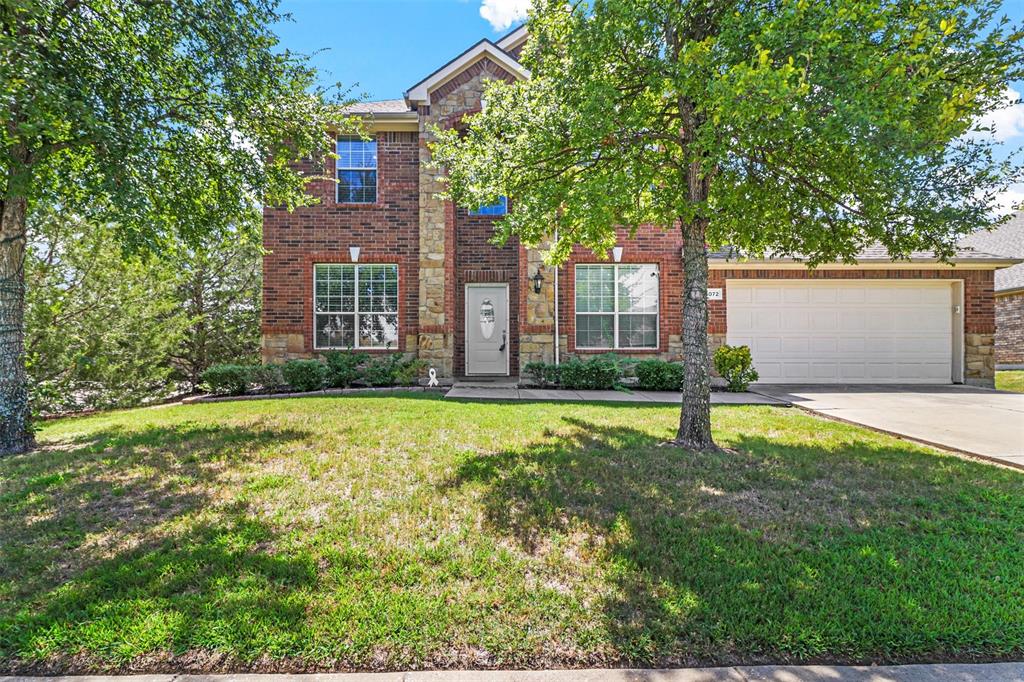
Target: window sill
[346,349]
[598,351]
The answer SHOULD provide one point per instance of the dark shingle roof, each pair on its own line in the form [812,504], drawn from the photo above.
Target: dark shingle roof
[871,254]
[384,106]
[1006,240]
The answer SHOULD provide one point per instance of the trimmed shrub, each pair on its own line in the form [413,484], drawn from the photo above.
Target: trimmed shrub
[601,372]
[393,370]
[735,365]
[542,373]
[659,375]
[408,371]
[227,379]
[266,378]
[344,368]
[305,375]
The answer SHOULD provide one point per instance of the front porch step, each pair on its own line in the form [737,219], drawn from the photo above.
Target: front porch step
[486,382]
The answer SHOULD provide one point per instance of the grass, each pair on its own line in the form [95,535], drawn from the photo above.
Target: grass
[407,531]
[1012,380]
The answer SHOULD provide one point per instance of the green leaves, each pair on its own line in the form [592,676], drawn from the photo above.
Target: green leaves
[819,127]
[173,119]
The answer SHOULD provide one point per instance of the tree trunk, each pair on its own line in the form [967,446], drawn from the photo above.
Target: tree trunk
[695,420]
[15,430]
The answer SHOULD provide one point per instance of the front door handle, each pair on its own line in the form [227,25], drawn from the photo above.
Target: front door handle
[503,340]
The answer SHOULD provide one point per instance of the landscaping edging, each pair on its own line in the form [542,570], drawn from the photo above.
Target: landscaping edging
[206,398]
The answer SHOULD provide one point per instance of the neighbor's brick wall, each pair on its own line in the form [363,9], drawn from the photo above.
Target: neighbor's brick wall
[386,232]
[1010,329]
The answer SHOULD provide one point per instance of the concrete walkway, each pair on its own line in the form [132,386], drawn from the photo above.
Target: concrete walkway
[510,392]
[976,421]
[986,672]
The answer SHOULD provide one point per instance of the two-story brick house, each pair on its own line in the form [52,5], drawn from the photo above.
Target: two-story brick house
[383,264]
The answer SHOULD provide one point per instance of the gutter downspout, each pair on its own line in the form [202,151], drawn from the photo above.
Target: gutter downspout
[557,344]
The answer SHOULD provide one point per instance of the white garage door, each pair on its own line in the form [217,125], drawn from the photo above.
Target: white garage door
[844,331]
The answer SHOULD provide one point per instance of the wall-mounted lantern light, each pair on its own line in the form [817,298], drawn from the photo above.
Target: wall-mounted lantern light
[617,254]
[353,252]
[537,280]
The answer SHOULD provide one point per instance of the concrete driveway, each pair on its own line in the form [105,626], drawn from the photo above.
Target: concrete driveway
[977,421]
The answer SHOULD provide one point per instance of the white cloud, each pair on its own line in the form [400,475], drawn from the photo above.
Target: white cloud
[1007,201]
[1007,122]
[503,13]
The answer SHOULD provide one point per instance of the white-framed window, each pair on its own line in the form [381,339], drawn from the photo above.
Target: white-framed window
[498,208]
[617,306]
[357,170]
[355,306]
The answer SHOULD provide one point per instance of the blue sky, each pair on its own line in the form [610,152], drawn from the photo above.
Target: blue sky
[382,47]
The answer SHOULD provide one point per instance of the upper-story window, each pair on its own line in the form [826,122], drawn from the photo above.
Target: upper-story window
[357,170]
[498,208]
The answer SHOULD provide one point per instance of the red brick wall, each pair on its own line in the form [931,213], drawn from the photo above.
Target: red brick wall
[477,261]
[1010,329]
[978,290]
[651,245]
[386,232]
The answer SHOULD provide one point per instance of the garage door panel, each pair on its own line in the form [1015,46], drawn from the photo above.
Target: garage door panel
[824,320]
[823,345]
[795,296]
[796,319]
[795,346]
[853,320]
[767,344]
[768,320]
[767,295]
[850,295]
[844,331]
[822,294]
[823,371]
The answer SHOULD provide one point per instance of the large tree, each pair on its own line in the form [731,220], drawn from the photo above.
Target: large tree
[99,326]
[798,127]
[105,329]
[165,117]
[218,287]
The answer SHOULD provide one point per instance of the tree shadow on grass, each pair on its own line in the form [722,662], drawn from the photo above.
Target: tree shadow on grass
[853,552]
[122,531]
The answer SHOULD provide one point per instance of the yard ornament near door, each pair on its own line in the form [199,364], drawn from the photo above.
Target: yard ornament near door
[432,382]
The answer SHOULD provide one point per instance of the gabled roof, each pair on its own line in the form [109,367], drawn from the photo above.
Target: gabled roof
[513,38]
[420,93]
[1008,240]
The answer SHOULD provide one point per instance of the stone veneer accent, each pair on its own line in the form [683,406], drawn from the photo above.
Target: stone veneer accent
[437,315]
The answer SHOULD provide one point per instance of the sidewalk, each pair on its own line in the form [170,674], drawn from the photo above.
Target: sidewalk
[508,392]
[983,672]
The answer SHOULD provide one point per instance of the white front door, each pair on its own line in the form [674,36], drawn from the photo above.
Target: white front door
[487,329]
[844,331]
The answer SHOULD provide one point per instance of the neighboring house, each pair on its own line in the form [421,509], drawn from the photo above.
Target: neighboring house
[1007,240]
[383,264]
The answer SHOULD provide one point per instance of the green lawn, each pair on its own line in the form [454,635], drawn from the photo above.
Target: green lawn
[398,532]
[1010,381]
